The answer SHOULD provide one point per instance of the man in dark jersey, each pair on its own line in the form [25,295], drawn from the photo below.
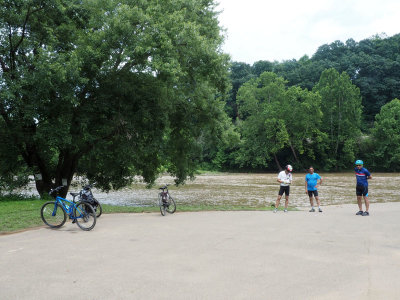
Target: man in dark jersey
[362,176]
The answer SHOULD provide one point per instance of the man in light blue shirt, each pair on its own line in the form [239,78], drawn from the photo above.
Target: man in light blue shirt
[311,187]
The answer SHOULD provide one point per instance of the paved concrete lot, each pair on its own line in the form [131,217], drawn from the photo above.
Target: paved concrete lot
[210,255]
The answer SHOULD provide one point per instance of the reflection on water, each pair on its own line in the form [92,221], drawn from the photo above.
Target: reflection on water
[254,190]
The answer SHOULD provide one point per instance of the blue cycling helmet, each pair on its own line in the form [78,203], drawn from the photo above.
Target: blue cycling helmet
[359,162]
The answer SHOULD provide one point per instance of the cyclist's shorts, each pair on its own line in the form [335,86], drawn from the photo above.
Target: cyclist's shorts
[310,193]
[362,190]
[284,189]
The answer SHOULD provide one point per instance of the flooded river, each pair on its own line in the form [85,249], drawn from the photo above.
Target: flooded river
[254,190]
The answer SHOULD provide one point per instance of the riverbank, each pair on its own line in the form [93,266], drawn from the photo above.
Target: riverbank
[213,191]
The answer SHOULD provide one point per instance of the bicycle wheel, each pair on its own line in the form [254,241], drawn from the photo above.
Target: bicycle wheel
[161,204]
[170,206]
[85,216]
[97,208]
[53,215]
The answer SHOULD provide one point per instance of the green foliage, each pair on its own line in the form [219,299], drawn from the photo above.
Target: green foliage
[386,137]
[218,146]
[372,64]
[109,89]
[341,132]
[341,108]
[274,117]
[239,74]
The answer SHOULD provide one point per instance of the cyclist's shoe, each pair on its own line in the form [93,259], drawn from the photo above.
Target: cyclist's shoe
[285,210]
[360,213]
[319,209]
[312,210]
[365,213]
[73,221]
[275,210]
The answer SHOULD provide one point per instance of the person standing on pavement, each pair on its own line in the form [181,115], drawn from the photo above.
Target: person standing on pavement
[285,179]
[362,176]
[312,188]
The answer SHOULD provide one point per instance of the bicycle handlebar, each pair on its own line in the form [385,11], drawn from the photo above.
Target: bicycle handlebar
[88,187]
[164,187]
[55,189]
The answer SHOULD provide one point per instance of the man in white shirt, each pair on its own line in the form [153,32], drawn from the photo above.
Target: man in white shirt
[285,179]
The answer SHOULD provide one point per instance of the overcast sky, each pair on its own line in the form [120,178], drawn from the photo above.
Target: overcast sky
[287,29]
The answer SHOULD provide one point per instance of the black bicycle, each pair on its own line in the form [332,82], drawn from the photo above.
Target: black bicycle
[86,195]
[166,202]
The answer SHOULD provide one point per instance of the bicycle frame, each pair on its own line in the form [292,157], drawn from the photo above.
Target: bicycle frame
[69,210]
[164,190]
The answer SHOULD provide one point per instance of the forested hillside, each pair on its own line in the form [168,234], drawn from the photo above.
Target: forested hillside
[354,82]
[372,64]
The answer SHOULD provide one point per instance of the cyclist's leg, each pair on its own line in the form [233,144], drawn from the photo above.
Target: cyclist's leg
[317,198]
[310,195]
[366,200]
[287,191]
[278,200]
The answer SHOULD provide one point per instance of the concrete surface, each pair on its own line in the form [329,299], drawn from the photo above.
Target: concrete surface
[210,255]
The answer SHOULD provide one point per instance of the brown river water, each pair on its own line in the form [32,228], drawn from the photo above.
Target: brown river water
[253,190]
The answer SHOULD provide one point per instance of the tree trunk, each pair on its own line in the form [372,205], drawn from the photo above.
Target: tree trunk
[294,152]
[66,168]
[43,185]
[277,162]
[38,166]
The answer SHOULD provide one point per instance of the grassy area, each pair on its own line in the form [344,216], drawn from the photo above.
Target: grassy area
[19,213]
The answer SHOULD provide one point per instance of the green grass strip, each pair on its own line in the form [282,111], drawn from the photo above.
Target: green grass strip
[18,213]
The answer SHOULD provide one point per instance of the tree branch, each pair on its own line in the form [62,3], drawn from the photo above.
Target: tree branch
[3,66]
[29,13]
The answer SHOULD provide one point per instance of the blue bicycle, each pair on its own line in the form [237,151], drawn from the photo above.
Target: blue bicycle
[54,213]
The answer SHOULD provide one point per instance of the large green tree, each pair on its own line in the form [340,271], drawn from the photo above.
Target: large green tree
[109,89]
[341,108]
[372,64]
[386,137]
[275,117]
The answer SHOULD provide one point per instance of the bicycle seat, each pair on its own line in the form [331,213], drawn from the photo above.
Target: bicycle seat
[164,187]
[74,194]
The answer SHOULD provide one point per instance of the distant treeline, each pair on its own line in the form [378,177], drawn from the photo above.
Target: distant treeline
[325,110]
